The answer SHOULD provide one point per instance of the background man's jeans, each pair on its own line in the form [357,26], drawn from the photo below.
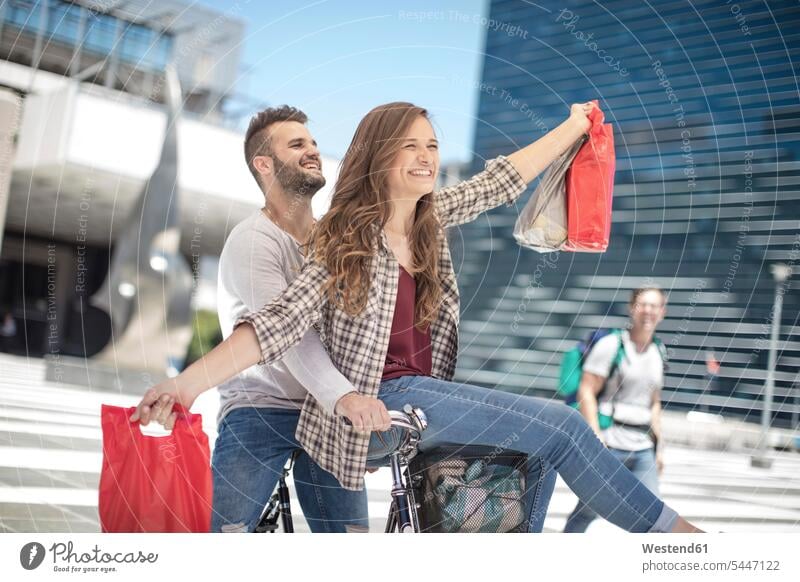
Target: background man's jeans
[251,450]
[553,433]
[641,463]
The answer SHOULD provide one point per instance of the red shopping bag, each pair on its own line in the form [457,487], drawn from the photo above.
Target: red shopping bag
[590,185]
[154,484]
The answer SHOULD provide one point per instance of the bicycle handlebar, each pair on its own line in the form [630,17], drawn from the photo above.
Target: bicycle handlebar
[400,419]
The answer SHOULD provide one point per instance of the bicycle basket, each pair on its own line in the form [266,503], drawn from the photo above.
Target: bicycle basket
[470,489]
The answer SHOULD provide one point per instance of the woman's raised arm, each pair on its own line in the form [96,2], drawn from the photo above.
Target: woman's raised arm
[532,160]
[505,178]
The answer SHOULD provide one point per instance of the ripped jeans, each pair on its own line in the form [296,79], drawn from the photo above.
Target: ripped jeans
[251,450]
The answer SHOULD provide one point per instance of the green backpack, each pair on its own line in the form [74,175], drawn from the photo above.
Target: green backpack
[572,368]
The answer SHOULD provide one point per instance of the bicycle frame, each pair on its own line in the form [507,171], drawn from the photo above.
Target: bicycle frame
[279,506]
[403,516]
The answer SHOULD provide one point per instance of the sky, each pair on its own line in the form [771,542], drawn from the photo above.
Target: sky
[338,59]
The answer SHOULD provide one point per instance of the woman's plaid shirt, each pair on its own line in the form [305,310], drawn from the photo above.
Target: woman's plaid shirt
[358,345]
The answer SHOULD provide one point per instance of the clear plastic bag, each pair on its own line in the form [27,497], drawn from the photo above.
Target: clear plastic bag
[542,224]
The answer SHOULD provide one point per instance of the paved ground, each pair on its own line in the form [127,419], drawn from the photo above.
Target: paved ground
[50,459]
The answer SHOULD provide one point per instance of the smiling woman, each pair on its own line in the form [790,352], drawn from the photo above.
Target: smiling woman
[386,182]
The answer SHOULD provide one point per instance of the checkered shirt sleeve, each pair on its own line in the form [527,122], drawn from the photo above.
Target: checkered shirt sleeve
[281,323]
[499,183]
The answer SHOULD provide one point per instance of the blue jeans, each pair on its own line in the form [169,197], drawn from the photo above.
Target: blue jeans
[553,435]
[643,466]
[251,450]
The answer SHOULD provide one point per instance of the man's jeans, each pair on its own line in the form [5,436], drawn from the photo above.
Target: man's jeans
[553,435]
[251,450]
[641,463]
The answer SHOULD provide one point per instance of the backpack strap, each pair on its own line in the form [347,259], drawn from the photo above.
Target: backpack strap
[662,350]
[619,356]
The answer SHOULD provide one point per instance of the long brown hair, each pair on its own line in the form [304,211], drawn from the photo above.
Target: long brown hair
[347,237]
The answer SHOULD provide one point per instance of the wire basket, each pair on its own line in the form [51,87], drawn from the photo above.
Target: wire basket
[470,489]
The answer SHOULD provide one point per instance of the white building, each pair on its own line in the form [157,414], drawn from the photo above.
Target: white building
[88,78]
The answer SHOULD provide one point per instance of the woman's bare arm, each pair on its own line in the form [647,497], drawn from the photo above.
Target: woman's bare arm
[237,353]
[260,337]
[532,160]
[505,178]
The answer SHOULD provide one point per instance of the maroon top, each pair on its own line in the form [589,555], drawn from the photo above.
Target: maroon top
[409,348]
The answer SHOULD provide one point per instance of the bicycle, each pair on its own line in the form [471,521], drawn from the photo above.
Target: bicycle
[405,433]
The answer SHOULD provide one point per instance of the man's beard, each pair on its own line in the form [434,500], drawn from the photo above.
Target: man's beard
[294,180]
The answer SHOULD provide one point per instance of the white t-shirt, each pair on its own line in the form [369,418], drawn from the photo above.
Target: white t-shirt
[629,393]
[257,263]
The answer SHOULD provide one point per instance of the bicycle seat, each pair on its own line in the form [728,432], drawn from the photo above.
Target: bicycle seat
[402,437]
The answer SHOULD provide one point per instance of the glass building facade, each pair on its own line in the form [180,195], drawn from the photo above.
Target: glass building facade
[704,101]
[67,38]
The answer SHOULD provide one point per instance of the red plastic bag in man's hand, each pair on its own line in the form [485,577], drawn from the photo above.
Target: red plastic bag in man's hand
[154,484]
[590,185]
